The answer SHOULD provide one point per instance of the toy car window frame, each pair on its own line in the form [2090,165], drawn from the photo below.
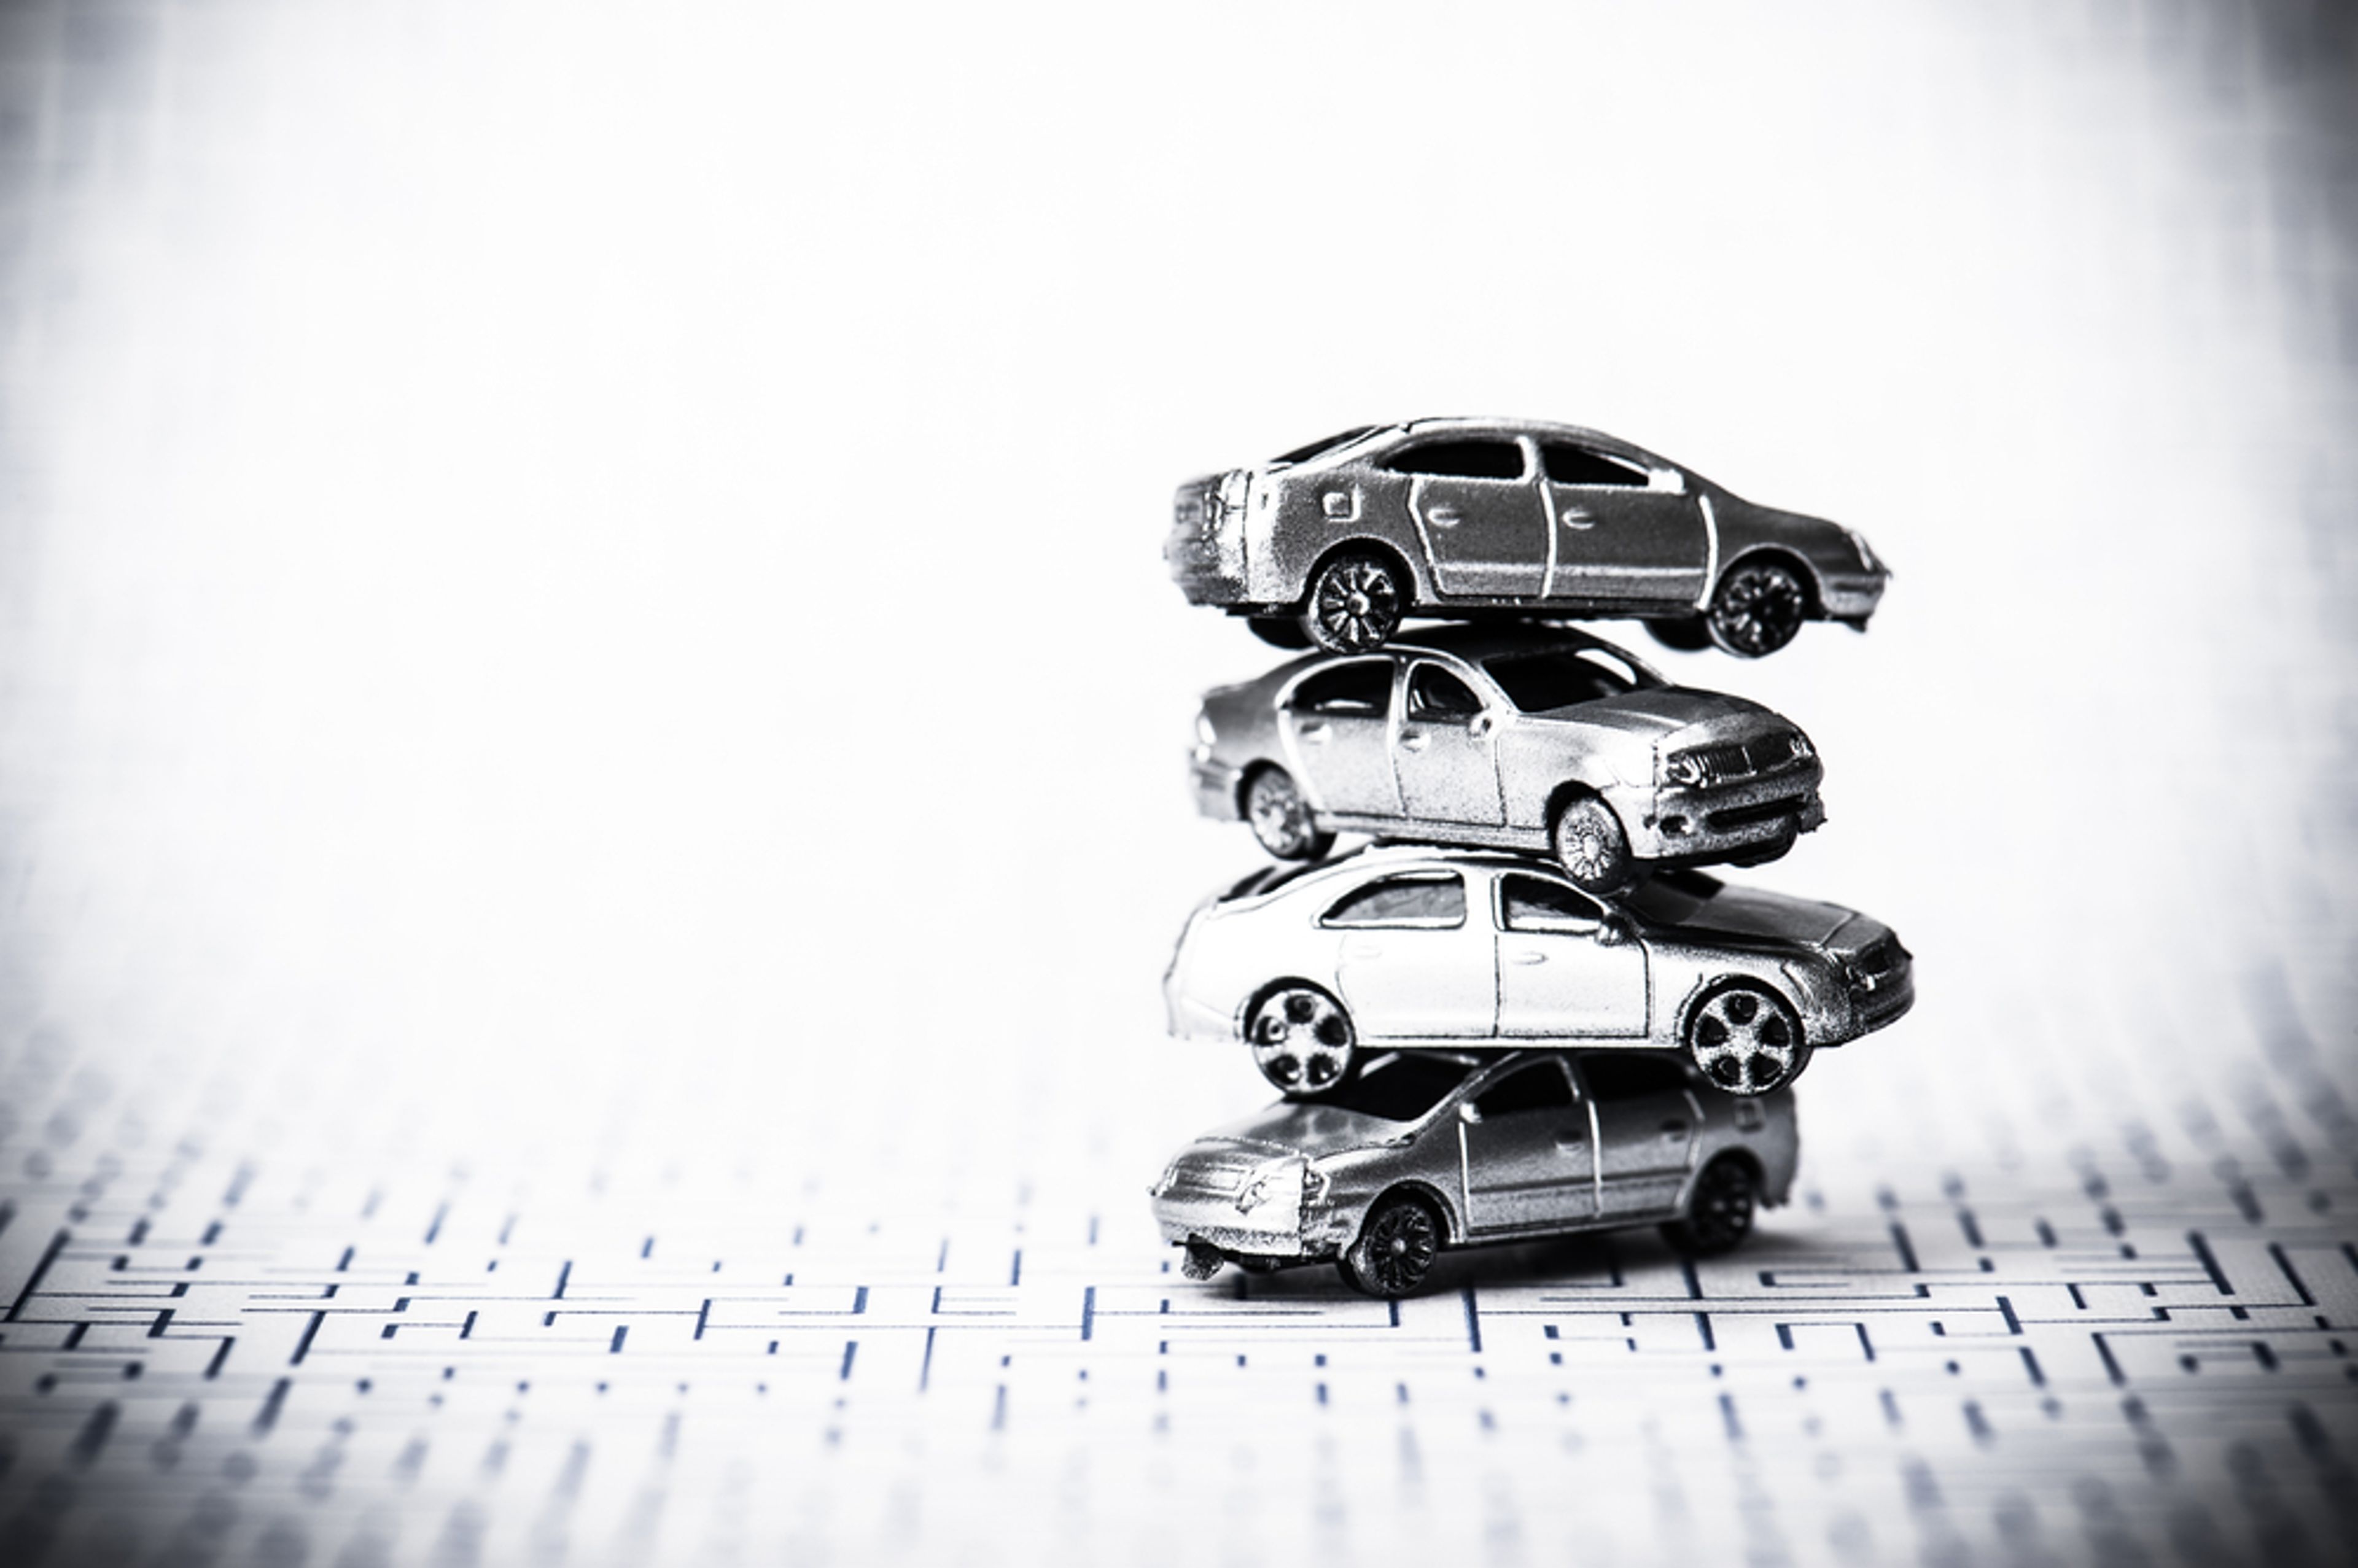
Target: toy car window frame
[1545,1070]
[1417,671]
[1590,469]
[1630,1066]
[1402,461]
[1580,924]
[1339,914]
[1379,672]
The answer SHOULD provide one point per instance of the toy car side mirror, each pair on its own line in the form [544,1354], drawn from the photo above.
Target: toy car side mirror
[1479,725]
[1467,1113]
[1613,930]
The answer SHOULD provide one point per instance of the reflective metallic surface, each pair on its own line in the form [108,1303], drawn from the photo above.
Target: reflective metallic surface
[1480,515]
[1437,948]
[1534,1143]
[1425,739]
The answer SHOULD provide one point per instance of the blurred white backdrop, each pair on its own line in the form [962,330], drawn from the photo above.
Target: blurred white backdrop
[609,554]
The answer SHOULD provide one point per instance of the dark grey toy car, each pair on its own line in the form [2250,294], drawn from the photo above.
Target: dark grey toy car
[1334,543]
[1427,1150]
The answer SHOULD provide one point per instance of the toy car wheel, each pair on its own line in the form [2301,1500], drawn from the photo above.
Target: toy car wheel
[1281,819]
[1758,608]
[1746,1038]
[1279,630]
[1302,1039]
[1356,603]
[1395,1249]
[1719,1210]
[1588,839]
[1688,634]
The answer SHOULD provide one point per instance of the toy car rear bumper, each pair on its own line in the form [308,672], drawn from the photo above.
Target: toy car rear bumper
[1214,783]
[1850,597]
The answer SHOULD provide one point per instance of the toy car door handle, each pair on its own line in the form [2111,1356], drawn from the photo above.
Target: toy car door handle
[1570,1142]
[1673,1128]
[1313,732]
[1575,517]
[1363,948]
[1527,955]
[1478,726]
[1442,517]
[1414,740]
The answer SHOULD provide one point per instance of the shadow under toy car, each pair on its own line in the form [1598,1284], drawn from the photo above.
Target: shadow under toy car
[1334,543]
[1425,1151]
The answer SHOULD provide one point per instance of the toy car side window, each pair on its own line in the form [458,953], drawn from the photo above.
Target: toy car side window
[1435,693]
[1460,458]
[1362,688]
[1531,903]
[1430,902]
[1622,1075]
[1540,1086]
[1568,464]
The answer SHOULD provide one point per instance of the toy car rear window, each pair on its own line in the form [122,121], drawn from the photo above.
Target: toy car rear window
[1667,897]
[1321,448]
[1560,677]
[1360,689]
[1269,879]
[1568,464]
[1399,1088]
[1422,899]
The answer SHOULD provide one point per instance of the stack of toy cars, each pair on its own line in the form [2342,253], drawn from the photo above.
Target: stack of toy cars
[1521,1012]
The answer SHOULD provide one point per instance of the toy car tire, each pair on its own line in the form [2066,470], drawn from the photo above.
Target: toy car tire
[1280,816]
[1592,845]
[1719,1210]
[1302,1039]
[1758,608]
[1279,631]
[1746,1038]
[1394,1249]
[1354,604]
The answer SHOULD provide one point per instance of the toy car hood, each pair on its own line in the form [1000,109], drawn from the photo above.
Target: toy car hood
[1758,915]
[1300,1127]
[1666,710]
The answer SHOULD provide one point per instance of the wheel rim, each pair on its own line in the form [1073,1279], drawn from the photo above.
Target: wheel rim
[1357,604]
[1745,1040]
[1588,841]
[1758,609]
[1397,1249]
[1280,816]
[1300,1040]
[1721,1214]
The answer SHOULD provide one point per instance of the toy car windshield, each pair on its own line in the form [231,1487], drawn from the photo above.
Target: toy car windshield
[1558,677]
[1400,1087]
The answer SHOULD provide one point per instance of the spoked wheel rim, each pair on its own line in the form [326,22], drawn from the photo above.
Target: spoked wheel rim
[1300,1040]
[1746,1039]
[1720,1213]
[1280,816]
[1354,606]
[1592,845]
[1757,609]
[1396,1250]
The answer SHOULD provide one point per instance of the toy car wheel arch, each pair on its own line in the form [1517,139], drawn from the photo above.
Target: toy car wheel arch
[1395,1247]
[1745,1037]
[1759,604]
[1280,816]
[1590,841]
[1302,1039]
[1356,602]
[1719,1208]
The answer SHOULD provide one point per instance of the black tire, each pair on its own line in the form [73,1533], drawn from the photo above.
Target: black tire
[1719,1209]
[1757,608]
[1281,819]
[1301,1039]
[1746,1038]
[1395,1248]
[1592,845]
[1688,634]
[1279,630]
[1354,604]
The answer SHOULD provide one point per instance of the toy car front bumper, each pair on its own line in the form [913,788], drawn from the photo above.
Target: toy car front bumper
[1218,1224]
[1850,597]
[1727,823]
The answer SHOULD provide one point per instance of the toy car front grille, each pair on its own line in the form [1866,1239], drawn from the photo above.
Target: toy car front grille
[1733,761]
[1738,817]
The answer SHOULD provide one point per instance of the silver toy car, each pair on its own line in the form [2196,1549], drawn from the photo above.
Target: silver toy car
[1334,542]
[1461,735]
[1439,949]
[1431,1150]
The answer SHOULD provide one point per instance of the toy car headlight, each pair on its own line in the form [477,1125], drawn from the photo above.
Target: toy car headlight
[1802,750]
[1866,557]
[1313,1184]
[1254,1193]
[1204,729]
[1682,768]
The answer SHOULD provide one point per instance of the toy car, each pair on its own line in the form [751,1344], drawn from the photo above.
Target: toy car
[1426,1150]
[1333,543]
[1463,735]
[1312,966]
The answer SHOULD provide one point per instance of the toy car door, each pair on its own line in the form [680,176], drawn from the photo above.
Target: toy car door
[1528,1153]
[1337,723]
[1408,962]
[1646,1125]
[1566,970]
[1478,512]
[1624,533]
[1446,758]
